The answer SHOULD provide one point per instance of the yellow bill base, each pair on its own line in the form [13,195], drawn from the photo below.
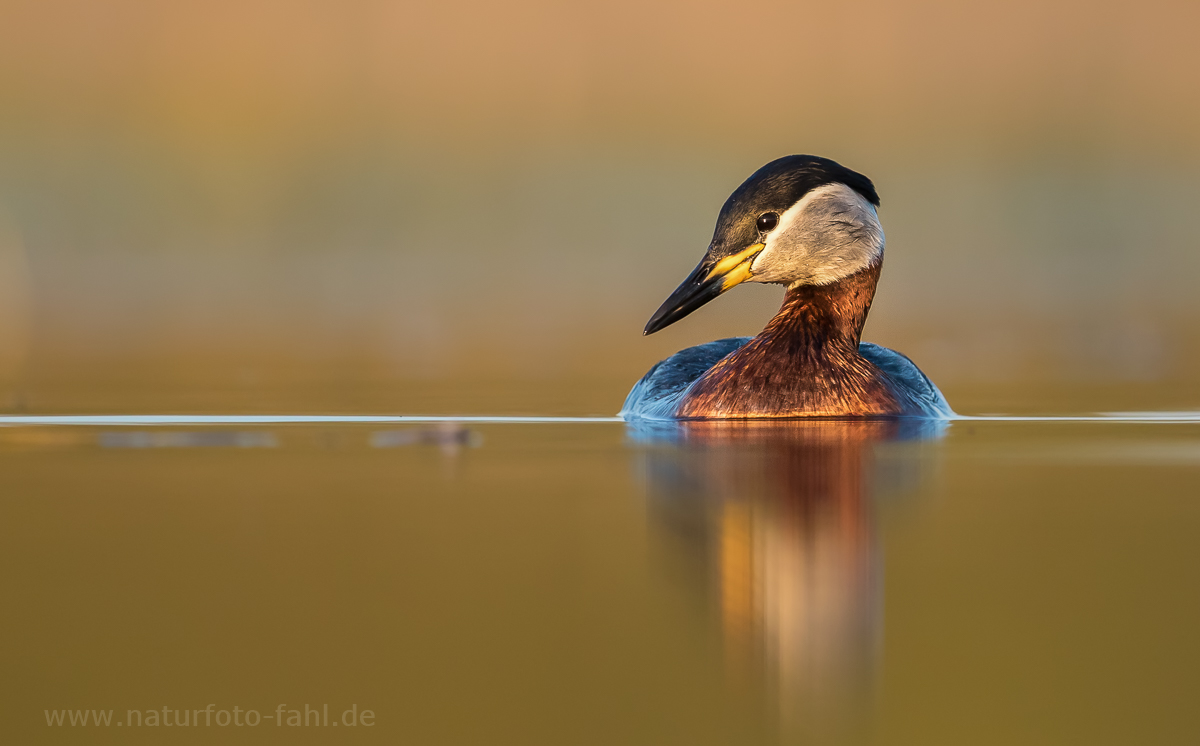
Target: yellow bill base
[736,268]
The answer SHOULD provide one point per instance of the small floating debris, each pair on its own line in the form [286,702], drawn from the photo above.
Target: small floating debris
[196,439]
[449,436]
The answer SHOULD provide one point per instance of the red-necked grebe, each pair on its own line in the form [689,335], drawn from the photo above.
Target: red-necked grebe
[810,224]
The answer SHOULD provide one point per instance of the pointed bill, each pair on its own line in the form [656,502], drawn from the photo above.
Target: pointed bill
[708,280]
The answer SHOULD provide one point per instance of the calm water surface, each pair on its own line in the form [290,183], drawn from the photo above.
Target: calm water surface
[583,582]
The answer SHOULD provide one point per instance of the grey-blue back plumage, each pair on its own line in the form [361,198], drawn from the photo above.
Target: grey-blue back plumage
[907,376]
[659,391]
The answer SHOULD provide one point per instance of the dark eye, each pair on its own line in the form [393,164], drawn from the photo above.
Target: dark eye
[767,221]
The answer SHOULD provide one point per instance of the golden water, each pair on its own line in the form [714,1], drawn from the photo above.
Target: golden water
[998,581]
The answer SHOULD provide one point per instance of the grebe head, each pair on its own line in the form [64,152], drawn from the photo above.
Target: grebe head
[799,220]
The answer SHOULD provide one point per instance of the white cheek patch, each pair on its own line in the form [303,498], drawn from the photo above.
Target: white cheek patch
[831,233]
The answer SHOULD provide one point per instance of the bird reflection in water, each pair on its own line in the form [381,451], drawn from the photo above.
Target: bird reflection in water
[776,521]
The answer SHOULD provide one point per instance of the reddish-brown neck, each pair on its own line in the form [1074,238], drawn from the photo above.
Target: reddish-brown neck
[804,363]
[816,319]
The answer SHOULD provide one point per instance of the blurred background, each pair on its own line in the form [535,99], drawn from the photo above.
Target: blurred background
[474,207]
